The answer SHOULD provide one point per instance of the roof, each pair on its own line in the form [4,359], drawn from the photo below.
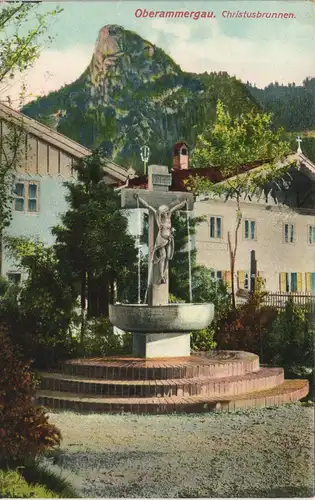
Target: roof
[215,176]
[180,176]
[180,143]
[41,131]
[306,166]
[51,136]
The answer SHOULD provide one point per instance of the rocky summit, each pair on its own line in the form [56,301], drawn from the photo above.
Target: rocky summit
[133,93]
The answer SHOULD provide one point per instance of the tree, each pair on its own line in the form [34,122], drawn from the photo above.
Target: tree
[207,289]
[40,311]
[19,49]
[233,146]
[93,242]
[290,341]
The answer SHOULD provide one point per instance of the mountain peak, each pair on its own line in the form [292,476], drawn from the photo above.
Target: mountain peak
[133,93]
[112,29]
[122,56]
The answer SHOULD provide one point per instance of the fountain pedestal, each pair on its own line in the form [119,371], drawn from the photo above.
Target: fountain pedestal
[160,345]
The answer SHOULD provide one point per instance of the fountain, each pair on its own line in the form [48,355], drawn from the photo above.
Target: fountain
[160,329]
[163,375]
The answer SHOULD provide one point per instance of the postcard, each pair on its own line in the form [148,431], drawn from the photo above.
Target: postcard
[157,249]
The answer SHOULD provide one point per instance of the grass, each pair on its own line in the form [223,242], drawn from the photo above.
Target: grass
[33,480]
[54,481]
[13,485]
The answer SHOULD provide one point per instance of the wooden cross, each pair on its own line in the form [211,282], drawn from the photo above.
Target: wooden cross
[158,199]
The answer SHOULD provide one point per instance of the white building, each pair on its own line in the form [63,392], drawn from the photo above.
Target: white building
[280,228]
[45,161]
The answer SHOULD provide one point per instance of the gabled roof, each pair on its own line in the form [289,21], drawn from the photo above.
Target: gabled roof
[43,132]
[180,144]
[180,176]
[214,175]
[307,167]
[51,136]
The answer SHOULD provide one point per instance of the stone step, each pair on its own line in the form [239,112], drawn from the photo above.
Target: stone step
[265,378]
[211,364]
[289,391]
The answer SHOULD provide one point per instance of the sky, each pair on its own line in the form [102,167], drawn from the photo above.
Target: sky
[256,50]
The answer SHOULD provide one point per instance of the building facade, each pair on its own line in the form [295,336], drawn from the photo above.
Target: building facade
[283,240]
[44,160]
[280,228]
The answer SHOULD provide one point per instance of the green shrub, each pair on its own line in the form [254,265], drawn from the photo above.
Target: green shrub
[289,343]
[3,285]
[207,289]
[24,428]
[39,311]
[246,327]
[13,485]
[100,339]
[28,329]
[174,300]
[203,340]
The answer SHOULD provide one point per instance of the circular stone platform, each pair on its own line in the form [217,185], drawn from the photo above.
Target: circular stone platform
[201,382]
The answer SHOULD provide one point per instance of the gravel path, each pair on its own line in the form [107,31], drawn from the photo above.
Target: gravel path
[251,453]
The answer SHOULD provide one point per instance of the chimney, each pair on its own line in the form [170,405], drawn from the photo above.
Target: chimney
[180,156]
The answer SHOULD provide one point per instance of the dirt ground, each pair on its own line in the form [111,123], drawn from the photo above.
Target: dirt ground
[264,453]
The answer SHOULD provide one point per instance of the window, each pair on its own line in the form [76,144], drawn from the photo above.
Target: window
[26,196]
[249,229]
[14,277]
[217,275]
[32,197]
[19,196]
[289,233]
[246,281]
[215,227]
[243,282]
[291,282]
[311,235]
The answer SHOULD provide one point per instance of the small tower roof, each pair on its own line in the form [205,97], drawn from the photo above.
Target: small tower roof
[180,143]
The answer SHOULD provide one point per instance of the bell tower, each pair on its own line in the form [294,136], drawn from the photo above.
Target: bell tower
[180,156]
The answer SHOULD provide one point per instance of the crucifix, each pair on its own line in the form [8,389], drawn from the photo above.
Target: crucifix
[299,140]
[161,204]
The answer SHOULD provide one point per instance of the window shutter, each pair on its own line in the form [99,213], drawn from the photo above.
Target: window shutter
[308,287]
[299,282]
[228,279]
[240,279]
[282,282]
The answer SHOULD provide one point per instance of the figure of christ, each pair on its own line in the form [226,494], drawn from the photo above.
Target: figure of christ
[164,243]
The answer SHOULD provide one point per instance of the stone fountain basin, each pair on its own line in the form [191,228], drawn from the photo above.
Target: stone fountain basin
[140,318]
